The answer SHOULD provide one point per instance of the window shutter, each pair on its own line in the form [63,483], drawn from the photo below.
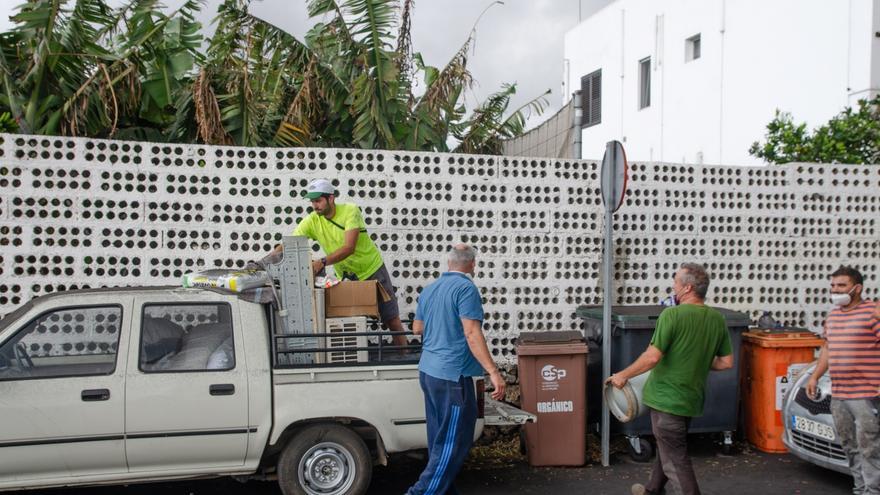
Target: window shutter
[596,99]
[591,94]
[585,101]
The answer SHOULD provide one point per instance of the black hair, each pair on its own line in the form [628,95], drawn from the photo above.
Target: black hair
[847,271]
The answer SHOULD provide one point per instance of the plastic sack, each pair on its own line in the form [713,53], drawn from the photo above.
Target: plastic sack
[231,280]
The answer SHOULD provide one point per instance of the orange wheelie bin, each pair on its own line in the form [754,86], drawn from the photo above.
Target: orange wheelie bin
[766,358]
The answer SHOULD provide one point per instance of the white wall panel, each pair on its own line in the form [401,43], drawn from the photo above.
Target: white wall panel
[85,213]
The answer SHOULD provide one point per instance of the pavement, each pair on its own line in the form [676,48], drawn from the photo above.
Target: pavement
[500,469]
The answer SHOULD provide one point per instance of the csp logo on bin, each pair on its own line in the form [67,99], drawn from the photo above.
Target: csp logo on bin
[551,373]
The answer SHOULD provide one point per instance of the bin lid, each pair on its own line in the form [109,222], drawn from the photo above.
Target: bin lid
[782,339]
[564,337]
[550,343]
[645,317]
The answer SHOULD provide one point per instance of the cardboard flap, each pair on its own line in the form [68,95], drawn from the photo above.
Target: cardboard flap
[383,294]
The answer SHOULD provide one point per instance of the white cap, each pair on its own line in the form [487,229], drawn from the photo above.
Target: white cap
[319,187]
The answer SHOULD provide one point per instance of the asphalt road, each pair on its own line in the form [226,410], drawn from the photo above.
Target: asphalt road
[502,471]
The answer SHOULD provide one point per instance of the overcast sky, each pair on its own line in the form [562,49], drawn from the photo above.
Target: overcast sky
[517,42]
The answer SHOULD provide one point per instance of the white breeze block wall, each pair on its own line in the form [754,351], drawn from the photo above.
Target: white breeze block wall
[80,213]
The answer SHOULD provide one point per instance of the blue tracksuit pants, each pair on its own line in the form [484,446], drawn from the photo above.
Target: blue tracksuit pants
[451,412]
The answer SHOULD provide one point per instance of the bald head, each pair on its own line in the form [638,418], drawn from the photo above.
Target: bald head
[462,258]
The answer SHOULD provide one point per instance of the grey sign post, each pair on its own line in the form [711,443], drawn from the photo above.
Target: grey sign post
[614,175]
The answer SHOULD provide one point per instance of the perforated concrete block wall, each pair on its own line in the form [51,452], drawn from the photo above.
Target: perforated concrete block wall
[84,213]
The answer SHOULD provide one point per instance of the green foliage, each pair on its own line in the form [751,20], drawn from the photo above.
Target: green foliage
[82,68]
[7,123]
[89,70]
[486,130]
[853,136]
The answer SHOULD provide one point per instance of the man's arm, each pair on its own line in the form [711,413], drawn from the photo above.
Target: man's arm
[722,362]
[347,249]
[723,359]
[876,316]
[477,344]
[275,255]
[821,368]
[646,362]
[418,327]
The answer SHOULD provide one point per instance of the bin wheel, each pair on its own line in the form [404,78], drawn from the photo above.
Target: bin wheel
[646,454]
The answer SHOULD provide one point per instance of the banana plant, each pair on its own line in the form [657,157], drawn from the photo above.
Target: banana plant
[140,71]
[85,69]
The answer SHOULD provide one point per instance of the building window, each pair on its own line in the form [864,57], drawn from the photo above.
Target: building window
[591,96]
[644,83]
[692,48]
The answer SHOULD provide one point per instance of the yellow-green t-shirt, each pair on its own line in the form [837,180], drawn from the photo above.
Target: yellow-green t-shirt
[330,234]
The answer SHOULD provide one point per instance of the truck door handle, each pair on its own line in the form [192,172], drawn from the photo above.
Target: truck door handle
[222,389]
[95,395]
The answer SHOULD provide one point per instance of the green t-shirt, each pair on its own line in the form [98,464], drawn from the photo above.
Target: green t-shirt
[690,337]
[330,234]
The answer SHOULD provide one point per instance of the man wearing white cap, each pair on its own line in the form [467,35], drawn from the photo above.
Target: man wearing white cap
[340,230]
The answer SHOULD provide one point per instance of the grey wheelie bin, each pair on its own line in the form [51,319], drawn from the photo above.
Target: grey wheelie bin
[631,331]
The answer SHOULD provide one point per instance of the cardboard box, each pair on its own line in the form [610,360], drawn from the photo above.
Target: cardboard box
[353,298]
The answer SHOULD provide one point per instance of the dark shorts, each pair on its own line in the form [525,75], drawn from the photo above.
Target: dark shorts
[388,310]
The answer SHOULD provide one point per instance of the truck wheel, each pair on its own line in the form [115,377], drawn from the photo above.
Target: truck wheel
[325,459]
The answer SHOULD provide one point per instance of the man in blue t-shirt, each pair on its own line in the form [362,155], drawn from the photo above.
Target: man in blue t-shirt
[449,316]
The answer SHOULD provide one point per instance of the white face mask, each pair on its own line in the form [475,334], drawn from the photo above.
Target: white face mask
[841,300]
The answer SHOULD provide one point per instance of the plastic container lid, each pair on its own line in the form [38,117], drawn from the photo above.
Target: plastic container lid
[783,339]
[548,343]
[645,317]
[626,403]
[549,337]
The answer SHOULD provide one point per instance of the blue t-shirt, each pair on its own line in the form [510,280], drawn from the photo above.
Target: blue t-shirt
[445,352]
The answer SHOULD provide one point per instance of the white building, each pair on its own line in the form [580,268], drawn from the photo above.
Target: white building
[698,80]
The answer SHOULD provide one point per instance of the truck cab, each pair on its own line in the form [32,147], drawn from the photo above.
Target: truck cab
[127,383]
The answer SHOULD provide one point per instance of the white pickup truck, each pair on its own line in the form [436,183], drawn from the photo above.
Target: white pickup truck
[113,386]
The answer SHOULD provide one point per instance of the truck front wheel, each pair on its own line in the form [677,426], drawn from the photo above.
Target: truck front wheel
[325,459]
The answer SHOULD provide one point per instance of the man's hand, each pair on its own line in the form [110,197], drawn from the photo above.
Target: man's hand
[498,383]
[812,387]
[317,266]
[617,380]
[254,265]
[273,258]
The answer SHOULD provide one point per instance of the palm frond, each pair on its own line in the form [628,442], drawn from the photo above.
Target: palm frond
[479,133]
[515,123]
[207,112]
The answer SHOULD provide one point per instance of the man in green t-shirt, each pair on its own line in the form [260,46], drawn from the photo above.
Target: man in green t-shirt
[689,340]
[340,230]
